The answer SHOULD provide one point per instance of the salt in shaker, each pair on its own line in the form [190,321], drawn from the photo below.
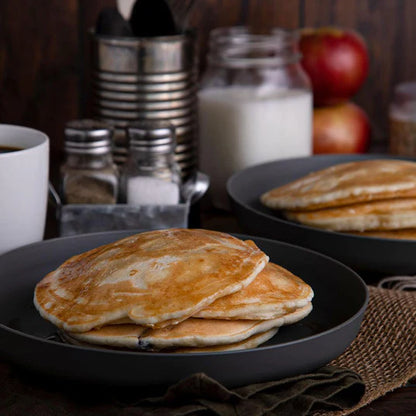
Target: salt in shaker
[150,175]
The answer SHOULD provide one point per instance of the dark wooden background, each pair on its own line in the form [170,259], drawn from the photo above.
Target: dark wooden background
[44,51]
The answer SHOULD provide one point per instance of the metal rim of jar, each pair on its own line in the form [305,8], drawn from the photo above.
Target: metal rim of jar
[185,37]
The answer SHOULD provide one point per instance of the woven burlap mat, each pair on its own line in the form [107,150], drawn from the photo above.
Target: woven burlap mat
[384,352]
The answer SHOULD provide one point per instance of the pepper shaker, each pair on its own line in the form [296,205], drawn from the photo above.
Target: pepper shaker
[88,175]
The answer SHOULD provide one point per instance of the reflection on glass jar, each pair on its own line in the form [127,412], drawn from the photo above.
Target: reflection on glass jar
[255,104]
[402,117]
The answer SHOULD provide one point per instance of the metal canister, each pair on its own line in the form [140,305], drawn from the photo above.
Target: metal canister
[138,79]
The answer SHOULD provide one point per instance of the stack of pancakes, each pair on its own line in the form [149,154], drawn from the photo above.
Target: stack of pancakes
[172,290]
[370,197]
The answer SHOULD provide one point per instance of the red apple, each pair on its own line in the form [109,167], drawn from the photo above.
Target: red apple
[342,128]
[336,61]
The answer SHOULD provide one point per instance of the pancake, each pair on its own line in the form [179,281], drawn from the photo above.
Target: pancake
[193,332]
[346,184]
[154,278]
[274,291]
[405,234]
[377,215]
[251,342]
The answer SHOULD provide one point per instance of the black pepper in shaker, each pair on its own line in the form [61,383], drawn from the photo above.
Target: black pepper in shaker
[88,175]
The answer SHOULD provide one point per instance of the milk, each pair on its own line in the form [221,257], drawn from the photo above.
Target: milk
[244,126]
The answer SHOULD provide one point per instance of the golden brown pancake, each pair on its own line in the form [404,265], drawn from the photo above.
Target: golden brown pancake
[153,278]
[268,296]
[376,215]
[192,332]
[251,342]
[346,184]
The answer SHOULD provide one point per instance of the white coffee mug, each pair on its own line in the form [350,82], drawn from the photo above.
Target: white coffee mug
[24,170]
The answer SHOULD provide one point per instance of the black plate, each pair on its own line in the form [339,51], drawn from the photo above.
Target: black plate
[370,256]
[339,304]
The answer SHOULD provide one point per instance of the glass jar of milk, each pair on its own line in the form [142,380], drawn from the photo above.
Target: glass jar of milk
[255,104]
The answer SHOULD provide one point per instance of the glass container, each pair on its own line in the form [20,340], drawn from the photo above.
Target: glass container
[88,175]
[151,175]
[402,120]
[255,104]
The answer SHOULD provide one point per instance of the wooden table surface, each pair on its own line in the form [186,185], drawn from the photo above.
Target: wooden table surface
[401,402]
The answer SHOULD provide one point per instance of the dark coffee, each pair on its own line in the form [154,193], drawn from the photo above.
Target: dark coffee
[8,149]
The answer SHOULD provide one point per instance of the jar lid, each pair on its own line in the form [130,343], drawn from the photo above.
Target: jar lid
[88,137]
[152,136]
[405,91]
[239,46]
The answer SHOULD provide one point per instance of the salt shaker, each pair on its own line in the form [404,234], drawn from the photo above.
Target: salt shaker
[150,175]
[88,175]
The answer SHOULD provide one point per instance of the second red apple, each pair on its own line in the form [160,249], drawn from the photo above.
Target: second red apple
[342,128]
[336,61]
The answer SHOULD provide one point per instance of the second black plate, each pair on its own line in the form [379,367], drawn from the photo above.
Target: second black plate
[371,257]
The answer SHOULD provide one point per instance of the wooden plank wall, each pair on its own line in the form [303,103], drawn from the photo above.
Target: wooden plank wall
[44,51]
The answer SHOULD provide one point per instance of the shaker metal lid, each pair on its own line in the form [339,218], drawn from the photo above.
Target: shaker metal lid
[152,136]
[88,136]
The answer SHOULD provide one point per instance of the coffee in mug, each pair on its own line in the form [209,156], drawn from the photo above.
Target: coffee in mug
[8,149]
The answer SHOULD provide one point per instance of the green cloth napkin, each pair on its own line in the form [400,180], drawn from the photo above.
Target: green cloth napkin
[329,388]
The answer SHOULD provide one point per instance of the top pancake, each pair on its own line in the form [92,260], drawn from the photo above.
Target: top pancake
[152,278]
[345,184]
[272,293]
